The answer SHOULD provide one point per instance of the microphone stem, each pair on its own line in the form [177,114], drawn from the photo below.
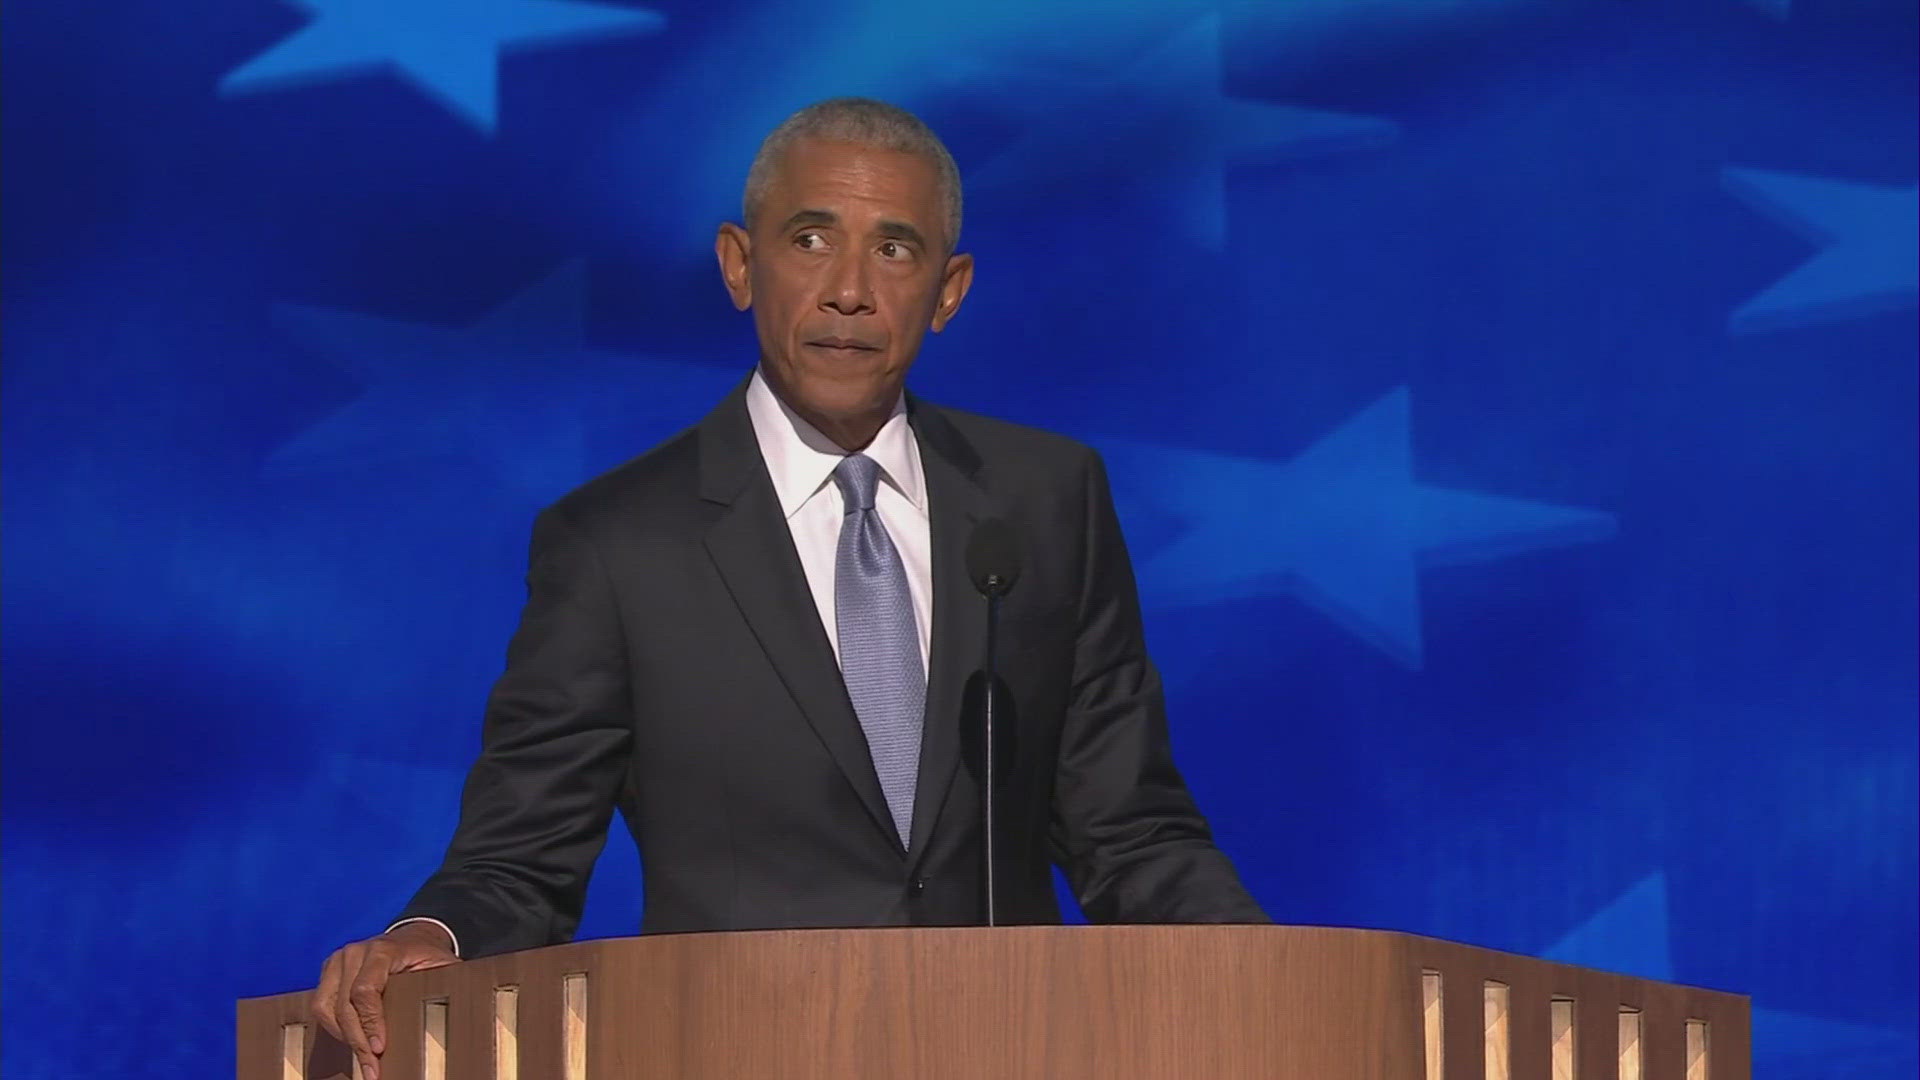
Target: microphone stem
[987,756]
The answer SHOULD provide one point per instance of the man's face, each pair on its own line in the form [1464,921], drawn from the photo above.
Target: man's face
[845,268]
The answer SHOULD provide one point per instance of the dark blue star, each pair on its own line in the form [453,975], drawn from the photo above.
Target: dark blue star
[1345,526]
[518,390]
[1164,125]
[446,47]
[1868,253]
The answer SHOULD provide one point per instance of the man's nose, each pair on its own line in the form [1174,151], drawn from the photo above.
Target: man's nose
[847,289]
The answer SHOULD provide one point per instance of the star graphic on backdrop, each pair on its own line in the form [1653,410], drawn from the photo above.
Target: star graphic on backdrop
[1868,253]
[1166,126]
[448,48]
[1344,526]
[1629,935]
[1633,935]
[518,390]
[410,808]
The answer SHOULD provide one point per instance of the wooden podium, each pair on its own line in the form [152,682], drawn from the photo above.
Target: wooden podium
[1057,1002]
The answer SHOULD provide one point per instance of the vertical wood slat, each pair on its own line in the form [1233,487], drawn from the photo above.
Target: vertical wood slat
[1664,1040]
[406,1032]
[1529,1021]
[1566,1036]
[1465,1028]
[1433,1009]
[469,1038]
[1731,1042]
[538,1009]
[574,1026]
[1597,1048]
[506,1033]
[1497,1045]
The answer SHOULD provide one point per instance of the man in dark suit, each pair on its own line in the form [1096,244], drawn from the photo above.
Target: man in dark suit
[756,640]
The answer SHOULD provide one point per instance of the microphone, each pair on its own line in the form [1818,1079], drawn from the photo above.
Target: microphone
[993,558]
[993,562]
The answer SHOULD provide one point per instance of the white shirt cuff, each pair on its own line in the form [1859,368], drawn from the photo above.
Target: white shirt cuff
[422,918]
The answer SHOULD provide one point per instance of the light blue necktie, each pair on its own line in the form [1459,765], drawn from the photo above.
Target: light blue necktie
[879,645]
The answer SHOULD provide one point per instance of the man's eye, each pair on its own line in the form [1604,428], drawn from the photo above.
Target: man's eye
[808,241]
[893,249]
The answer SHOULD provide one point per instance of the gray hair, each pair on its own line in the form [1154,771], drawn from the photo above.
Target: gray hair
[863,122]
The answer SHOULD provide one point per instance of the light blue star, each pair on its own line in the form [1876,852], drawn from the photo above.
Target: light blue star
[1633,935]
[1868,255]
[1165,126]
[447,47]
[1344,526]
[1630,935]
[517,391]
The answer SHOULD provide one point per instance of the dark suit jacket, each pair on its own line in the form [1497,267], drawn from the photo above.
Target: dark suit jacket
[670,661]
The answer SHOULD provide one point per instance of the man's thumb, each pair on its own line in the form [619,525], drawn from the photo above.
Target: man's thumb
[423,963]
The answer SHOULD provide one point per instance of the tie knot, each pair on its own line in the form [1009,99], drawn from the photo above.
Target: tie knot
[858,475]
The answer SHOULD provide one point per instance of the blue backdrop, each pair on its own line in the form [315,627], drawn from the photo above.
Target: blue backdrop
[1567,348]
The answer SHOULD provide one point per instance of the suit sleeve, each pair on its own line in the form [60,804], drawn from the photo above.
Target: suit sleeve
[554,752]
[1124,828]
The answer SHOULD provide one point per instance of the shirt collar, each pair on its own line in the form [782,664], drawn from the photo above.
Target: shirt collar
[801,460]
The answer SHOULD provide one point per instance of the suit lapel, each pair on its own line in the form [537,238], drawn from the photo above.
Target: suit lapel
[753,550]
[955,503]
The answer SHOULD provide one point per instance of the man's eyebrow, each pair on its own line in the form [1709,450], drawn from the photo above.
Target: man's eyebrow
[900,230]
[810,217]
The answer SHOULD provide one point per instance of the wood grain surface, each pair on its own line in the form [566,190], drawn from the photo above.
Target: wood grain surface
[1113,1002]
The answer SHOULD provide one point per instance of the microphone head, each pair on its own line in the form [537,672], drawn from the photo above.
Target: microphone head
[993,557]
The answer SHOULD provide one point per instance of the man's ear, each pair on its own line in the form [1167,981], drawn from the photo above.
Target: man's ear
[954,283]
[732,245]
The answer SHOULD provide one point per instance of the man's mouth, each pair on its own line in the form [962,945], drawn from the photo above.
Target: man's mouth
[848,344]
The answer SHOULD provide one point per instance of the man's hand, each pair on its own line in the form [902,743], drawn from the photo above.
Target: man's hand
[347,1001]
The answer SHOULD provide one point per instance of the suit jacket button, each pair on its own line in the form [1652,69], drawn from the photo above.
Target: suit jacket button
[919,886]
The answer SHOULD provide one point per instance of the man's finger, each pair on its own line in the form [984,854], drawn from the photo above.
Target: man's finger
[425,963]
[355,1038]
[366,1000]
[347,1015]
[321,1004]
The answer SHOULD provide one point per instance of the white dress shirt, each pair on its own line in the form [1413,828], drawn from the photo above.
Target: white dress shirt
[801,462]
